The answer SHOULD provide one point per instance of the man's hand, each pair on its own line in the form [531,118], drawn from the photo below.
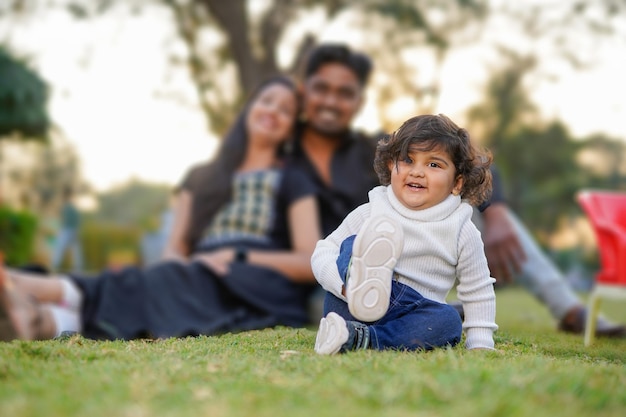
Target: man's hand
[502,246]
[218,261]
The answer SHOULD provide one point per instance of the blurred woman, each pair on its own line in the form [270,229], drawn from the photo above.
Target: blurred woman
[250,270]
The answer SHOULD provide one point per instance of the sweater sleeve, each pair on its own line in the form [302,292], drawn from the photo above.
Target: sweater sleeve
[324,258]
[475,290]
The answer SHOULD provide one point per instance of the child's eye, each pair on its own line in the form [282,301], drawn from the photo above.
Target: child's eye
[407,160]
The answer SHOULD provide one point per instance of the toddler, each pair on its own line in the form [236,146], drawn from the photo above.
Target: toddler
[390,265]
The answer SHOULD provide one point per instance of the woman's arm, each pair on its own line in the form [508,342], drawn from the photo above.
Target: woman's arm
[176,245]
[305,231]
[295,264]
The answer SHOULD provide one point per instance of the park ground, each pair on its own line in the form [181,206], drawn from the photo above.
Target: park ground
[536,371]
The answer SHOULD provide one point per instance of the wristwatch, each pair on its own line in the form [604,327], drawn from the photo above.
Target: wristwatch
[241,254]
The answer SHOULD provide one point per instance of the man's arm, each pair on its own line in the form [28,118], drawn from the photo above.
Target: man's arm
[502,246]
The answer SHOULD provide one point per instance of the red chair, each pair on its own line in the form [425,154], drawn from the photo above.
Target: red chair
[606,211]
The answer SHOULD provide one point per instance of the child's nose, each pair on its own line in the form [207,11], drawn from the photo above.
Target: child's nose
[417,171]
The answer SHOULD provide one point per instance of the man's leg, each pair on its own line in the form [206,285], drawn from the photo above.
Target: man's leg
[538,273]
[540,276]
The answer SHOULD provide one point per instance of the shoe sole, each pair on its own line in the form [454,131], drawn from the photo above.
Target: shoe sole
[376,250]
[332,334]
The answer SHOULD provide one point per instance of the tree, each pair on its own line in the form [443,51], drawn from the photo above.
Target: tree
[246,42]
[135,203]
[604,158]
[23,111]
[540,165]
[249,41]
[34,174]
[231,45]
[23,100]
[537,158]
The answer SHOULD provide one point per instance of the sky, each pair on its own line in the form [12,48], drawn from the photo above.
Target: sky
[106,75]
[112,92]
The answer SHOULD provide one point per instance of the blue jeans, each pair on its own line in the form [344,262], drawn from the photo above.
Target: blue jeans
[412,321]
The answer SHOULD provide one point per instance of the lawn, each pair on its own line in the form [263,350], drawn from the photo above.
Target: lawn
[536,371]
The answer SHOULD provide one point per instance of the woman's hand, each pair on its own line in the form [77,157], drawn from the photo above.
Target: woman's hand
[170,255]
[217,261]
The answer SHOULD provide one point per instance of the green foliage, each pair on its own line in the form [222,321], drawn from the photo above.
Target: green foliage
[536,372]
[605,158]
[111,236]
[250,53]
[135,204]
[540,161]
[23,99]
[17,235]
[101,242]
[417,16]
[539,165]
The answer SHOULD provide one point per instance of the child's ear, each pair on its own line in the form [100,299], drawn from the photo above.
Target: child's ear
[458,185]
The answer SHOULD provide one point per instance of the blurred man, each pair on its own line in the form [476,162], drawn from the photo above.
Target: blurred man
[338,158]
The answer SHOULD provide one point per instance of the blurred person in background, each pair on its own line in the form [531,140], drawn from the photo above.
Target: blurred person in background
[340,162]
[337,159]
[67,238]
[250,269]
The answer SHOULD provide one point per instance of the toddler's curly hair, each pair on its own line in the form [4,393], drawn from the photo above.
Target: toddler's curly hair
[428,132]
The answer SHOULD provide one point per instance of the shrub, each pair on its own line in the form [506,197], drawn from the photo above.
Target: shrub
[17,235]
[105,245]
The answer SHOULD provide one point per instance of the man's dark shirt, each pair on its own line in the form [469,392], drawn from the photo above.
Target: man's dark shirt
[352,177]
[497,193]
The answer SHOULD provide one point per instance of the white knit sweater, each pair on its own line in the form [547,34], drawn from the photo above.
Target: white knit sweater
[441,245]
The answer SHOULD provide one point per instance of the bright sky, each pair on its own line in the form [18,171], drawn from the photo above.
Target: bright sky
[105,74]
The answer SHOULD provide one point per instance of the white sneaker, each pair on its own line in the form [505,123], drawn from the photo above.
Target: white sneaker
[332,334]
[376,250]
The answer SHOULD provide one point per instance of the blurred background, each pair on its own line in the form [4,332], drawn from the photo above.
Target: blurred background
[116,99]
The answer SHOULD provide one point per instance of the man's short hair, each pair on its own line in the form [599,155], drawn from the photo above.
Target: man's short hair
[324,54]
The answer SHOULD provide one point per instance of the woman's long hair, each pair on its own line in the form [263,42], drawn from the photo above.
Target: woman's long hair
[211,182]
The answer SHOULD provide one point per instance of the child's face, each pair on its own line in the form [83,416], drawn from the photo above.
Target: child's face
[424,179]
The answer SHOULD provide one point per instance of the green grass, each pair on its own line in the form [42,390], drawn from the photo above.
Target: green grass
[535,372]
